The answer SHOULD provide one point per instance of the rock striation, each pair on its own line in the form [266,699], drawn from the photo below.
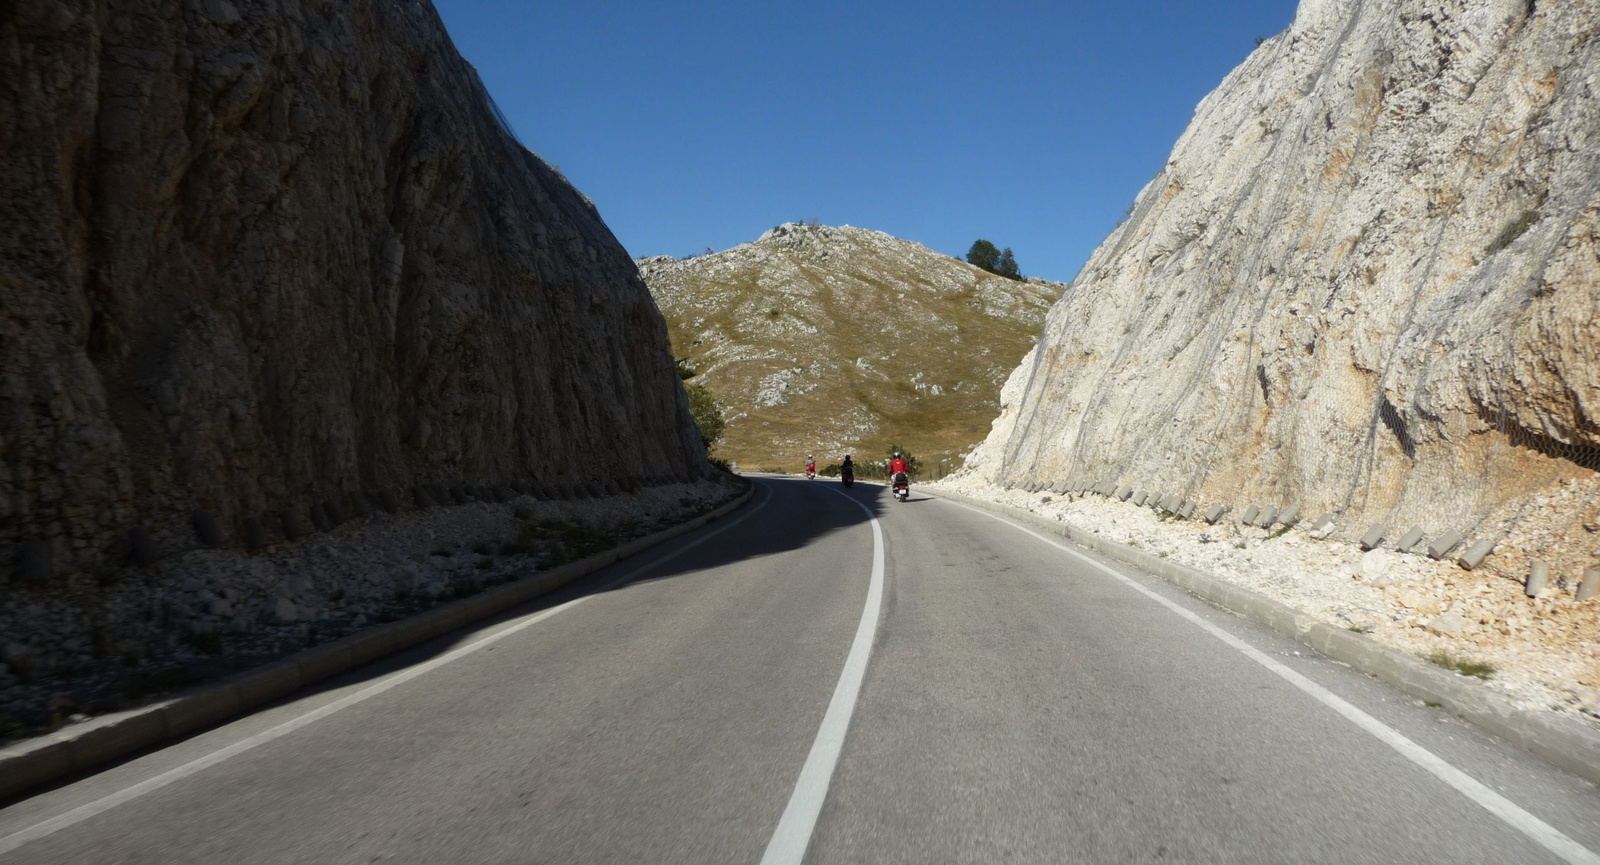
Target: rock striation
[792,335]
[1366,281]
[268,265]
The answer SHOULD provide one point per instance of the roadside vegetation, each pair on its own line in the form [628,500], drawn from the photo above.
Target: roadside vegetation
[1464,666]
[705,409]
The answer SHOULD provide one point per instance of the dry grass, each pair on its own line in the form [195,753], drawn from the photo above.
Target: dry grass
[856,388]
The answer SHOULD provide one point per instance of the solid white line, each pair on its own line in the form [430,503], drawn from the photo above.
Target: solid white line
[793,835]
[200,764]
[1540,832]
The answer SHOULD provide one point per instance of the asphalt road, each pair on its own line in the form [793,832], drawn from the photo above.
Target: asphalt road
[1010,701]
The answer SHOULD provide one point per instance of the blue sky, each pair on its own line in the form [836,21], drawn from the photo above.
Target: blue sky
[702,125]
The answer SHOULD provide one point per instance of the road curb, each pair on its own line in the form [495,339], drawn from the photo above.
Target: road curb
[1564,743]
[84,746]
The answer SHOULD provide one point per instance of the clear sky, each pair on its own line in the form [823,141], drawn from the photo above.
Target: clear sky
[1030,124]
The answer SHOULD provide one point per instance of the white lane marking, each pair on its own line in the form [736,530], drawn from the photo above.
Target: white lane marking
[1540,832]
[81,813]
[793,835]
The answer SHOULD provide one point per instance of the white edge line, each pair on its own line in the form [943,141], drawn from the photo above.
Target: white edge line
[1540,832]
[793,833]
[83,812]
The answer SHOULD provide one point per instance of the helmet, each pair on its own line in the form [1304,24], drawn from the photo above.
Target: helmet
[896,453]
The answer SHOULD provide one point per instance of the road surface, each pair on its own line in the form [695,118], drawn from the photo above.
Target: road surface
[829,676]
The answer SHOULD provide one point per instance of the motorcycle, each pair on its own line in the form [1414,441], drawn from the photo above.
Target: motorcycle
[847,476]
[811,472]
[902,487]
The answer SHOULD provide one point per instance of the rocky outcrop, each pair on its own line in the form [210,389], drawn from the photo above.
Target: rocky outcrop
[263,264]
[791,333]
[1366,281]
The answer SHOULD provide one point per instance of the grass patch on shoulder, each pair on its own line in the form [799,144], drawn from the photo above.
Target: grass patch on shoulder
[1464,666]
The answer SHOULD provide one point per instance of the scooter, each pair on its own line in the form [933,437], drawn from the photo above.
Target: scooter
[847,476]
[811,472]
[902,487]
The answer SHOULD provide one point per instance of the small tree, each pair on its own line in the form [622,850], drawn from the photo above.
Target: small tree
[1008,265]
[984,254]
[707,414]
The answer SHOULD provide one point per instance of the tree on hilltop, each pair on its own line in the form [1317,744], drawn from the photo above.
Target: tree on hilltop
[984,254]
[1008,265]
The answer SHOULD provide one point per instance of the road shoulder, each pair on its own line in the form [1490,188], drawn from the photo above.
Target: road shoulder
[1568,745]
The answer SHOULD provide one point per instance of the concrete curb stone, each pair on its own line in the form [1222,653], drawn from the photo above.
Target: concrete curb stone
[1562,742]
[80,747]
[197,711]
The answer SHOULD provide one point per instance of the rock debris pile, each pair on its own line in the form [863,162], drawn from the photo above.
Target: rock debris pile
[99,645]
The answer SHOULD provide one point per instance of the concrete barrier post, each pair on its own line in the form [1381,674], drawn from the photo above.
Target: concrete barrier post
[1374,537]
[1443,544]
[1409,539]
[207,528]
[1249,516]
[1475,554]
[1215,513]
[1267,517]
[1289,516]
[1538,578]
[1590,585]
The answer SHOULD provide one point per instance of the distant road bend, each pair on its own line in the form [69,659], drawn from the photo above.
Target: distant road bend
[829,676]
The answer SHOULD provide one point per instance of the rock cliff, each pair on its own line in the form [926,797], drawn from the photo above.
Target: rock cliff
[264,262]
[1366,281]
[790,333]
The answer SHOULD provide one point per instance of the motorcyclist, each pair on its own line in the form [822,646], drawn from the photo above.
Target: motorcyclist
[811,467]
[898,469]
[847,469]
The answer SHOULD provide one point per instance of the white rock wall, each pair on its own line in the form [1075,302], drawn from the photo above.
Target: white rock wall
[1365,281]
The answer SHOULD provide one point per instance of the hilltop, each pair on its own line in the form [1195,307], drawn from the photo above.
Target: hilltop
[790,334]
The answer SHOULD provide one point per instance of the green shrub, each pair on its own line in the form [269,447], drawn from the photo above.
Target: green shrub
[707,414]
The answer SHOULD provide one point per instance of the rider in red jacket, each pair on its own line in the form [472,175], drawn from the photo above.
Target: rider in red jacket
[897,466]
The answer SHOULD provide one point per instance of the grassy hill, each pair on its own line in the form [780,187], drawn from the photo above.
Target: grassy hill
[792,334]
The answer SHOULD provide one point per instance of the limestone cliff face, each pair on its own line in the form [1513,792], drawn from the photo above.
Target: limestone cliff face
[1367,280]
[257,255]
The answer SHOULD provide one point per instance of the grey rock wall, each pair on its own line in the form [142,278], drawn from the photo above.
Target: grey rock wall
[1367,281]
[261,255]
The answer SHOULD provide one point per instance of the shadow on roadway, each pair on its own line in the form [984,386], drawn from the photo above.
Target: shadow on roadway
[784,514]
